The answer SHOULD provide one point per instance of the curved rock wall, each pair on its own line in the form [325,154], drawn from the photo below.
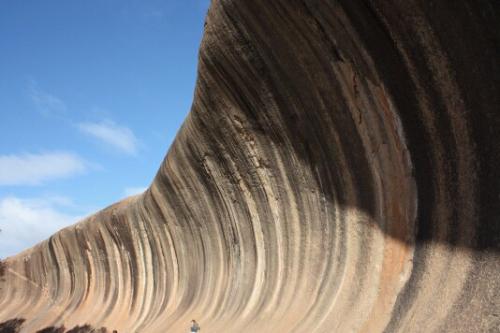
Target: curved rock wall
[338,172]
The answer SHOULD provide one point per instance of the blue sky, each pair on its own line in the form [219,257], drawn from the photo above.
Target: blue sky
[92,94]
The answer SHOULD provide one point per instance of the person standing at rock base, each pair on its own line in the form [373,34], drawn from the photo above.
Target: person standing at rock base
[195,328]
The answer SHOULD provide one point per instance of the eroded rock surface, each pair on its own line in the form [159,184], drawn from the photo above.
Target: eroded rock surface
[338,172]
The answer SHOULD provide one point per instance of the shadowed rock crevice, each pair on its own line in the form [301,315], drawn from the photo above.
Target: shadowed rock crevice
[337,172]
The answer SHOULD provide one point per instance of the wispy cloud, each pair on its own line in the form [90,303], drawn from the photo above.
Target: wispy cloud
[36,169]
[47,104]
[112,134]
[25,222]
[129,191]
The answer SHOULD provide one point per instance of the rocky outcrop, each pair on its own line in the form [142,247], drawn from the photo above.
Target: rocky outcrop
[338,172]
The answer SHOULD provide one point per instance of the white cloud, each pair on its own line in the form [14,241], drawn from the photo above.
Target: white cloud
[129,191]
[116,136]
[46,103]
[25,222]
[35,169]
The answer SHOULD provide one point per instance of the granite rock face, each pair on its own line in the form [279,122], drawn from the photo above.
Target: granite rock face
[338,172]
